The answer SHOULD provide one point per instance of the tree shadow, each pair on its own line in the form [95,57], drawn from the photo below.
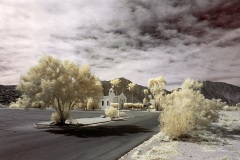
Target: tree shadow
[223,132]
[97,131]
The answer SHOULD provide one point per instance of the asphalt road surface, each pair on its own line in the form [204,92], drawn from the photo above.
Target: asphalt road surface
[19,140]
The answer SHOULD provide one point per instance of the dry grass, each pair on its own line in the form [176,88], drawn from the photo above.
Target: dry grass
[176,123]
[185,109]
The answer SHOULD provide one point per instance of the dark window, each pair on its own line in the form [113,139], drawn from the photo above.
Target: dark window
[102,103]
[108,103]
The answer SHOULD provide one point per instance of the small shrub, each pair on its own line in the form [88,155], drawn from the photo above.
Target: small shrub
[20,103]
[230,108]
[186,109]
[1,105]
[138,105]
[151,107]
[81,105]
[176,123]
[115,105]
[92,104]
[128,105]
[122,114]
[111,112]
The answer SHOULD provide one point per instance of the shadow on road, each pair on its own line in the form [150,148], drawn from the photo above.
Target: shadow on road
[97,131]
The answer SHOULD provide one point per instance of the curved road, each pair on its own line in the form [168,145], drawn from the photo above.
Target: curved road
[19,140]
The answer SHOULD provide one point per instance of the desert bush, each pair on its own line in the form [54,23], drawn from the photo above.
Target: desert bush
[92,104]
[115,105]
[156,104]
[133,105]
[1,105]
[14,105]
[186,109]
[128,105]
[138,105]
[230,108]
[175,122]
[151,107]
[145,101]
[111,112]
[122,114]
[22,102]
[81,105]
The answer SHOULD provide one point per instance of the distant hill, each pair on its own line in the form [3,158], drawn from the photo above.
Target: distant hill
[226,92]
[8,94]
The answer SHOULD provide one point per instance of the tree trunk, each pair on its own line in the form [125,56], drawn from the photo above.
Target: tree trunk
[62,118]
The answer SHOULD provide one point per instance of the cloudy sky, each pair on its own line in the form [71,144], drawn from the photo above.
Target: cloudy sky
[135,39]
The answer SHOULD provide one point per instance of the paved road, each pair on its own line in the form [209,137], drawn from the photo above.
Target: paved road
[19,140]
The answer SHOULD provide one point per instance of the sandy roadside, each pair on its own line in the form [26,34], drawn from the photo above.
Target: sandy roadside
[220,141]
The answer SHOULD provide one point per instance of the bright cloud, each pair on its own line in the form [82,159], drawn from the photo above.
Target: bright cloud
[135,39]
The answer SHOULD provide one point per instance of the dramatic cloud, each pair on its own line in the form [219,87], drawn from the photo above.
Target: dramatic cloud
[135,39]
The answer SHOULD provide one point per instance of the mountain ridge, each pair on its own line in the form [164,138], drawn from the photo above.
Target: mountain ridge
[218,90]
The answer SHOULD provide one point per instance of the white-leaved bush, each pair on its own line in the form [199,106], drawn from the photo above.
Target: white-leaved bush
[61,85]
[122,114]
[92,104]
[22,102]
[128,105]
[184,109]
[111,112]
[115,105]
[1,105]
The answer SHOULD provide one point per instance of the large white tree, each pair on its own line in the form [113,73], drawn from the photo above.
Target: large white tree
[157,88]
[61,85]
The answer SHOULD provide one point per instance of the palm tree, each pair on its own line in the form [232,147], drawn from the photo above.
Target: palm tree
[115,85]
[145,92]
[145,100]
[131,88]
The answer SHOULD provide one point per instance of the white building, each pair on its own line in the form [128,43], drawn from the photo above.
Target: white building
[112,98]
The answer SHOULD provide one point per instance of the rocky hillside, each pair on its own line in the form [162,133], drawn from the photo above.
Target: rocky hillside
[226,92]
[8,94]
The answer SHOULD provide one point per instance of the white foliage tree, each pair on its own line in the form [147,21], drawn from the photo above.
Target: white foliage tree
[157,88]
[58,84]
[92,104]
